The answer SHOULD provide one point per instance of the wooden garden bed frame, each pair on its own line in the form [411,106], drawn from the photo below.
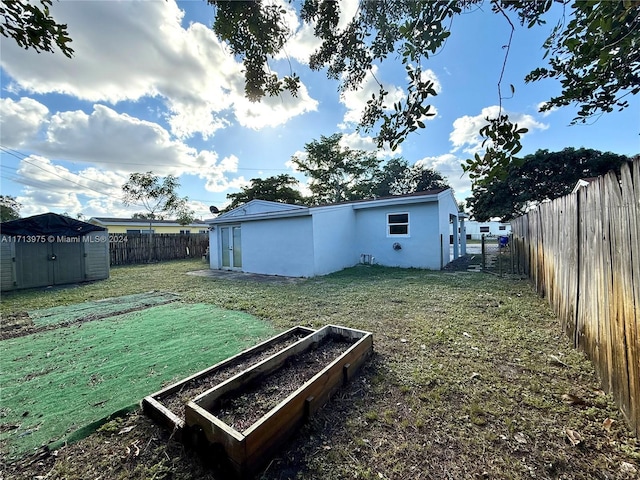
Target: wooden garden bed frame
[153,405]
[247,451]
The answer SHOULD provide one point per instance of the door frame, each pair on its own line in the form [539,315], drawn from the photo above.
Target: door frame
[228,232]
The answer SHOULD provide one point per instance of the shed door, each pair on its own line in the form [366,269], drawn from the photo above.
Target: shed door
[231,247]
[49,263]
[68,266]
[33,267]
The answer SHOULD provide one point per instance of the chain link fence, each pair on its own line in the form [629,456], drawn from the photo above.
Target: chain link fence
[497,255]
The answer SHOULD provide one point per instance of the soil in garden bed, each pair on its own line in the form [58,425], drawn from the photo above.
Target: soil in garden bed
[247,406]
[175,401]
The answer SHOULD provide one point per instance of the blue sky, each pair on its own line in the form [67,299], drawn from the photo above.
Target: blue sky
[151,88]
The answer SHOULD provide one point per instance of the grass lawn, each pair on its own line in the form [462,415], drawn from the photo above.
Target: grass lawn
[471,378]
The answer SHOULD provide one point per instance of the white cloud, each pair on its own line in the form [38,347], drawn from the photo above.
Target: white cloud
[449,166]
[138,50]
[355,141]
[429,75]
[465,134]
[113,145]
[546,113]
[356,100]
[50,187]
[117,141]
[20,121]
[273,111]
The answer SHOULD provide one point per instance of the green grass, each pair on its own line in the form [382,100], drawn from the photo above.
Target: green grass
[461,376]
[59,381]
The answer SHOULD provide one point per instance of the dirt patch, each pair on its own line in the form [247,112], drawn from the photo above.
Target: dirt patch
[25,323]
[175,401]
[247,277]
[246,407]
[15,321]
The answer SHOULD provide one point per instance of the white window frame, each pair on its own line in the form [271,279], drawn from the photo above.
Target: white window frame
[389,224]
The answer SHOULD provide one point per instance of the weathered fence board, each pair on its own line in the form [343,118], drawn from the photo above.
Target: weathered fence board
[133,249]
[582,252]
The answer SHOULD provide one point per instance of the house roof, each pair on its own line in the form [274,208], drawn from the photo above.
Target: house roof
[583,182]
[48,224]
[141,221]
[263,209]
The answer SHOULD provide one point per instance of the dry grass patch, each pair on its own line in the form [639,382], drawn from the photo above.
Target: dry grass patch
[471,378]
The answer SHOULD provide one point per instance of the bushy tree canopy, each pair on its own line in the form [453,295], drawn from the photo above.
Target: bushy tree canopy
[542,176]
[397,177]
[279,188]
[158,196]
[336,173]
[32,26]
[9,208]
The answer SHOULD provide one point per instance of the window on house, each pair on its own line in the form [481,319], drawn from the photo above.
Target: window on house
[484,230]
[133,232]
[185,232]
[203,231]
[502,227]
[398,224]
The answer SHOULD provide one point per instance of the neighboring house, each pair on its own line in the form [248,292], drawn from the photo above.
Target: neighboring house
[475,230]
[583,182]
[137,226]
[51,249]
[291,240]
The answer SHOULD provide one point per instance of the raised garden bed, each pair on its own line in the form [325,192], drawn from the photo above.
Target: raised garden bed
[167,405]
[250,415]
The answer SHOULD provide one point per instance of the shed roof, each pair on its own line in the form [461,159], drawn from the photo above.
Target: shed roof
[48,224]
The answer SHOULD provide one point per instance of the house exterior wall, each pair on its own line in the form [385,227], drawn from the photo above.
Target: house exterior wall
[156,228]
[159,228]
[447,209]
[278,247]
[334,239]
[298,241]
[418,248]
[475,230]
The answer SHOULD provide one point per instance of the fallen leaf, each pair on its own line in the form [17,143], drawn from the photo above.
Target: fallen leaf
[553,360]
[126,429]
[520,437]
[134,445]
[573,399]
[574,437]
[628,468]
[608,423]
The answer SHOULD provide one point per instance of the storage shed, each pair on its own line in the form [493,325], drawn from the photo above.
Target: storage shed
[51,249]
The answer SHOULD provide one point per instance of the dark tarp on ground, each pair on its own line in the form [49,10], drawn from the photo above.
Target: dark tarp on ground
[48,224]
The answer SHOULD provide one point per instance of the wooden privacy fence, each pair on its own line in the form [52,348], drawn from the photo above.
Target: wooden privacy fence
[132,249]
[582,252]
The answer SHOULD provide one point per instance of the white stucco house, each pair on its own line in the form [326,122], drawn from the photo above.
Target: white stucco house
[475,230]
[291,240]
